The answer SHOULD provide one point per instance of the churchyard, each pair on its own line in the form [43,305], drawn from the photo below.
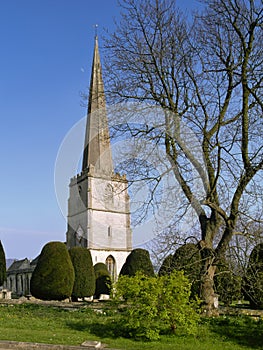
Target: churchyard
[74,323]
[208,136]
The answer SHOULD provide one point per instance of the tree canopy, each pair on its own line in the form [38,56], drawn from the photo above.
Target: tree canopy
[205,75]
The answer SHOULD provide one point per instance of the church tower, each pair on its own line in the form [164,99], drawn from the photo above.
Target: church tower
[98,205]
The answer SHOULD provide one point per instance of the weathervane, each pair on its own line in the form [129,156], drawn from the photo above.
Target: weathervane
[96,29]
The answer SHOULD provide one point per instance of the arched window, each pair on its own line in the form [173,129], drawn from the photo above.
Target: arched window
[111,265]
[80,237]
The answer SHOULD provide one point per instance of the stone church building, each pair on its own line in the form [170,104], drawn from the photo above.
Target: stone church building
[19,275]
[98,204]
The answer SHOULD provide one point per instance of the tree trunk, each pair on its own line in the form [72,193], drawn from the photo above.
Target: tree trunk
[207,293]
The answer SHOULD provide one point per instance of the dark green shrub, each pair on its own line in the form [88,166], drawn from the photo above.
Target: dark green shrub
[187,258]
[53,277]
[137,260]
[252,283]
[167,266]
[84,283]
[2,265]
[103,280]
[227,284]
[100,269]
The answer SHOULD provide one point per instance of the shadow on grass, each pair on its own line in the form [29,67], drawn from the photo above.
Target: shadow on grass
[80,326]
[244,331]
[113,329]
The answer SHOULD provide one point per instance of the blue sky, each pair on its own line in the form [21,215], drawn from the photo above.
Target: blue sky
[46,56]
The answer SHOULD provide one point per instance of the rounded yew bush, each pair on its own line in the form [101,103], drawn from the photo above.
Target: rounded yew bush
[187,258]
[252,283]
[2,265]
[53,277]
[226,283]
[138,260]
[84,283]
[103,280]
[167,266]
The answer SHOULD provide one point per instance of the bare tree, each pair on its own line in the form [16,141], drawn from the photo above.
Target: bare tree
[206,76]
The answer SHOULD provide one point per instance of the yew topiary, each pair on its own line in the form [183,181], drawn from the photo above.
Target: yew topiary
[103,280]
[99,269]
[137,260]
[252,283]
[2,265]
[226,283]
[84,283]
[167,266]
[53,277]
[187,258]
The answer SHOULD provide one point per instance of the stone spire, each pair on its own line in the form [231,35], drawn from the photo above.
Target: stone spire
[97,150]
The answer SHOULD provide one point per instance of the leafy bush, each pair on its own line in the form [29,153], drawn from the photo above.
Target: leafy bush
[157,304]
[103,280]
[2,265]
[252,283]
[53,277]
[84,283]
[137,260]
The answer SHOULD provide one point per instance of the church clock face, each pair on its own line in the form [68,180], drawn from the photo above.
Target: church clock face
[109,195]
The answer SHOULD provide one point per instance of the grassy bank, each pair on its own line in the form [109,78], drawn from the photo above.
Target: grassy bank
[49,324]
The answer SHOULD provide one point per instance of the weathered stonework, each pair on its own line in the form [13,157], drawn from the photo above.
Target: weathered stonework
[99,217]
[99,204]
[19,275]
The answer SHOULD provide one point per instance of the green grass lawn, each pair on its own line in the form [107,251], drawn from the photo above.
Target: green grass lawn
[47,324]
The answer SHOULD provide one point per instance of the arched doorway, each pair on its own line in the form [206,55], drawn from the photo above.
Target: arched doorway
[111,266]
